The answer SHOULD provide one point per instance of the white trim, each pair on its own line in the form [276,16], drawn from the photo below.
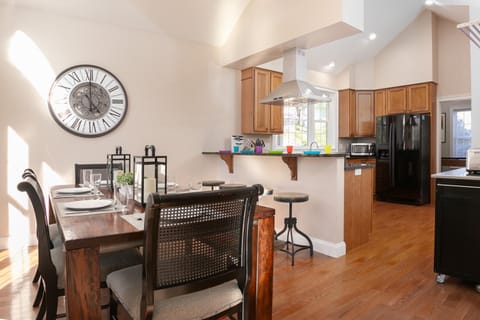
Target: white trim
[5,242]
[334,250]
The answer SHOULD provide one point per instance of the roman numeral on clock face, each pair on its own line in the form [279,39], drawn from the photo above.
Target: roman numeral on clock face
[87,100]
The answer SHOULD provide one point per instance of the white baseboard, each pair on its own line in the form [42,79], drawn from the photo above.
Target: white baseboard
[334,250]
[10,243]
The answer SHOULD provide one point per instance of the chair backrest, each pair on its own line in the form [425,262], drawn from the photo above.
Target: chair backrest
[31,186]
[194,241]
[101,168]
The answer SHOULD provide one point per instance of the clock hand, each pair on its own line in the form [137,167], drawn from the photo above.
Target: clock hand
[90,94]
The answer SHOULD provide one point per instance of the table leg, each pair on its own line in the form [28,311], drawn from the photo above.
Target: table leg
[265,268]
[252,290]
[82,281]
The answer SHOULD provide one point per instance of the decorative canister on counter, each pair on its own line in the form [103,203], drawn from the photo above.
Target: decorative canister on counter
[258,149]
[237,143]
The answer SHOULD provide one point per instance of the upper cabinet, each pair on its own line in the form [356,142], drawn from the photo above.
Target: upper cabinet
[356,113]
[260,118]
[410,99]
[346,112]
[380,102]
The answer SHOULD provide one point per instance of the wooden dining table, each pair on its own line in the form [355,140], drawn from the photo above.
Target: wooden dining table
[86,236]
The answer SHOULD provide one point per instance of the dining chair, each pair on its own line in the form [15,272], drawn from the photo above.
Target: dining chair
[51,261]
[197,257]
[53,235]
[101,168]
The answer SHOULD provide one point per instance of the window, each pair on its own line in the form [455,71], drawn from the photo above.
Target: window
[462,132]
[305,123]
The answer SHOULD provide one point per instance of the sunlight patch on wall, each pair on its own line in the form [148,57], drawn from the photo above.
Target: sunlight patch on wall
[27,57]
[50,179]
[17,161]
[18,229]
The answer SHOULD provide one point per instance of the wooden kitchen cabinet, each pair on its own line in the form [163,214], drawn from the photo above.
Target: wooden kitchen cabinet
[365,161]
[396,100]
[421,96]
[356,113]
[358,206]
[364,114]
[380,102]
[346,113]
[415,98]
[260,118]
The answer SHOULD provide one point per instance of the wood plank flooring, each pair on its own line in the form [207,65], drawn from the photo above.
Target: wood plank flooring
[390,277]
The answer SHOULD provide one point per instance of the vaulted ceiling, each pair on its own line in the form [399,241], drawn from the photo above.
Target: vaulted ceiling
[211,21]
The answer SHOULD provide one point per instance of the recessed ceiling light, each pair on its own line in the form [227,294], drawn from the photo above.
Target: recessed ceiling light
[429,2]
[330,66]
[372,36]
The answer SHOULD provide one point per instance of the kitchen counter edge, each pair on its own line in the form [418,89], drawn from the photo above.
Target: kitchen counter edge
[293,155]
[460,174]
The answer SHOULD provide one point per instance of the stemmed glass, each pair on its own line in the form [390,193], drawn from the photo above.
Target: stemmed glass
[95,181]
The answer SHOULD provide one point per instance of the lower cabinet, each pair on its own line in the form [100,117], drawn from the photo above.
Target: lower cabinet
[358,205]
[457,225]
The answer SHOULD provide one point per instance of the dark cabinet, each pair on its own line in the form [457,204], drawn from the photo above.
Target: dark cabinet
[457,229]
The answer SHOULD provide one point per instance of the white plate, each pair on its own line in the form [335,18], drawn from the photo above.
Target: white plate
[88,204]
[74,190]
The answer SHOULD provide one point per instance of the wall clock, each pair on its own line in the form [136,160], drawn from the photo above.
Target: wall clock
[87,100]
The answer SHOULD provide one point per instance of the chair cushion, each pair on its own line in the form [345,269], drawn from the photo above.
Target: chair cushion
[126,284]
[290,197]
[58,260]
[55,236]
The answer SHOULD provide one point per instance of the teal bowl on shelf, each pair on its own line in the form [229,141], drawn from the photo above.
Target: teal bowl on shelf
[311,152]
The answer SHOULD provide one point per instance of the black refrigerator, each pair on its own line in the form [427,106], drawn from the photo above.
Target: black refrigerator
[403,158]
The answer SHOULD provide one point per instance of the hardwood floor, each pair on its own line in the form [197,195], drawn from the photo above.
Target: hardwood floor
[390,277]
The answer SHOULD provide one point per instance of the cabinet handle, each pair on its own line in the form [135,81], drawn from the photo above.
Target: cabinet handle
[457,186]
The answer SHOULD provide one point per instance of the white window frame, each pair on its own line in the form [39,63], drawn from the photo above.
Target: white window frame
[332,126]
[453,126]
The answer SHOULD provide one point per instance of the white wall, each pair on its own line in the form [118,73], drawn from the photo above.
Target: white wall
[453,60]
[408,58]
[180,100]
[475,84]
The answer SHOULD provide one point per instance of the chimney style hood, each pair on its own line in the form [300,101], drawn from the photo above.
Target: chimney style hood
[294,88]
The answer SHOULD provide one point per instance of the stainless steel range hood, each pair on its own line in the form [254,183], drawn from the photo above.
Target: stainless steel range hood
[294,88]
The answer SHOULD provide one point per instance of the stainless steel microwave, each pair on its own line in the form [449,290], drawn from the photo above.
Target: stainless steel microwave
[364,149]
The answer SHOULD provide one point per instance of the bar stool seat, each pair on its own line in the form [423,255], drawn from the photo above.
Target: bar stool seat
[290,224]
[231,186]
[212,183]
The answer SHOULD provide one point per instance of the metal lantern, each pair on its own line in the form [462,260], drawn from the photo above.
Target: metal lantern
[117,162]
[150,171]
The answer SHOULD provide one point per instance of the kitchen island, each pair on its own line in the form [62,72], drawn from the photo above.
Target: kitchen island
[456,225]
[320,176]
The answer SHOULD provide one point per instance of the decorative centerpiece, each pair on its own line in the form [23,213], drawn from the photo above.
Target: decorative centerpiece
[150,171]
[116,163]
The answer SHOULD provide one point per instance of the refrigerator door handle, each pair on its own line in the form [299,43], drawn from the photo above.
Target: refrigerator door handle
[391,146]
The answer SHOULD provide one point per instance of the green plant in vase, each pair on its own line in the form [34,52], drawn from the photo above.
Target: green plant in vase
[125,178]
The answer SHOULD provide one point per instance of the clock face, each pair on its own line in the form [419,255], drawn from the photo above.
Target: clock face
[87,100]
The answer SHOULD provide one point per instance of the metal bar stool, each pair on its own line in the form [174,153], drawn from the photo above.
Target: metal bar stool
[290,223]
[212,183]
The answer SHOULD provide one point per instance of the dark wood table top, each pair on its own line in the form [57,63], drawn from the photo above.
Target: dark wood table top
[105,230]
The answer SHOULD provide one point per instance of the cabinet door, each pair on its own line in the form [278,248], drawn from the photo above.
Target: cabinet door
[457,222]
[261,112]
[276,111]
[380,99]
[419,98]
[364,114]
[248,92]
[396,100]
[346,113]
[358,206]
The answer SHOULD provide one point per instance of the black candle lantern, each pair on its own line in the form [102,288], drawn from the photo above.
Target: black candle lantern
[117,162]
[149,171]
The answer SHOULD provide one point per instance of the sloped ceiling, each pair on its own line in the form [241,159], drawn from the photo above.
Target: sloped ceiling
[211,21]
